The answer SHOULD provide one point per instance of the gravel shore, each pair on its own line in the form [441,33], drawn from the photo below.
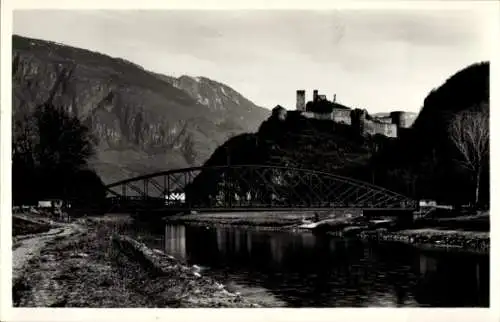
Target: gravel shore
[81,265]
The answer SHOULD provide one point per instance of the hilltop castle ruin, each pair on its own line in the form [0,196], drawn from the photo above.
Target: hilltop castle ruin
[322,109]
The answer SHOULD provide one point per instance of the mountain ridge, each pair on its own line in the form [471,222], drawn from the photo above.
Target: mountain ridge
[143,122]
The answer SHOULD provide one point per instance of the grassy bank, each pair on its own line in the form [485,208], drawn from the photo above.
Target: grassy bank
[87,269]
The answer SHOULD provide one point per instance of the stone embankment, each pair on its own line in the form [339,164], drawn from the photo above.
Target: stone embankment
[196,290]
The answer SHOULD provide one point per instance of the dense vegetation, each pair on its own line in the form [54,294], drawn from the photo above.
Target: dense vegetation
[296,142]
[50,156]
[423,162]
[291,142]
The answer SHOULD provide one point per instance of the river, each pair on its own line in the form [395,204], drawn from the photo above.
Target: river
[304,270]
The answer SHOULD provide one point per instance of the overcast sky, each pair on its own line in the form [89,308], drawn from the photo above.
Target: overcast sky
[378,60]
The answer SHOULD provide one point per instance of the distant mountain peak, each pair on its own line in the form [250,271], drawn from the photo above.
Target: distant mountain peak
[210,93]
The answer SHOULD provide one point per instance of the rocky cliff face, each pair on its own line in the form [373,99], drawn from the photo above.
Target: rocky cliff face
[143,121]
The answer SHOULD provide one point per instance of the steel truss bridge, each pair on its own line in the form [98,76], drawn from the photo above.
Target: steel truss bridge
[250,187]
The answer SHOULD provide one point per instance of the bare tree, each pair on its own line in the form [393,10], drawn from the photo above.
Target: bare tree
[470,133]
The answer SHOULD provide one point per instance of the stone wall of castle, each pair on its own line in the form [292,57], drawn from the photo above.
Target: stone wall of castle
[338,116]
[375,127]
[357,118]
[402,119]
[341,116]
[323,116]
[301,100]
[387,120]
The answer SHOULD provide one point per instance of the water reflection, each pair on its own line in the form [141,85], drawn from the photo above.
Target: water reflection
[318,271]
[175,240]
[427,264]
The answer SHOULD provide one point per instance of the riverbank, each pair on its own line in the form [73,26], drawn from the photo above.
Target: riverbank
[438,233]
[432,238]
[265,220]
[92,263]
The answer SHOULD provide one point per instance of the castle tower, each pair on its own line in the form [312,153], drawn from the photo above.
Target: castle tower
[358,118]
[301,100]
[315,95]
[398,118]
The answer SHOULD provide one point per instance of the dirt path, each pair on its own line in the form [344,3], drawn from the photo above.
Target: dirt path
[30,247]
[69,266]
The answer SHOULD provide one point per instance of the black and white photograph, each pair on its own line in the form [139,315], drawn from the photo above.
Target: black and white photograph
[246,158]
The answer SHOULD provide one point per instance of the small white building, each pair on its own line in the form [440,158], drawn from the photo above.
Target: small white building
[50,203]
[175,197]
[427,203]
